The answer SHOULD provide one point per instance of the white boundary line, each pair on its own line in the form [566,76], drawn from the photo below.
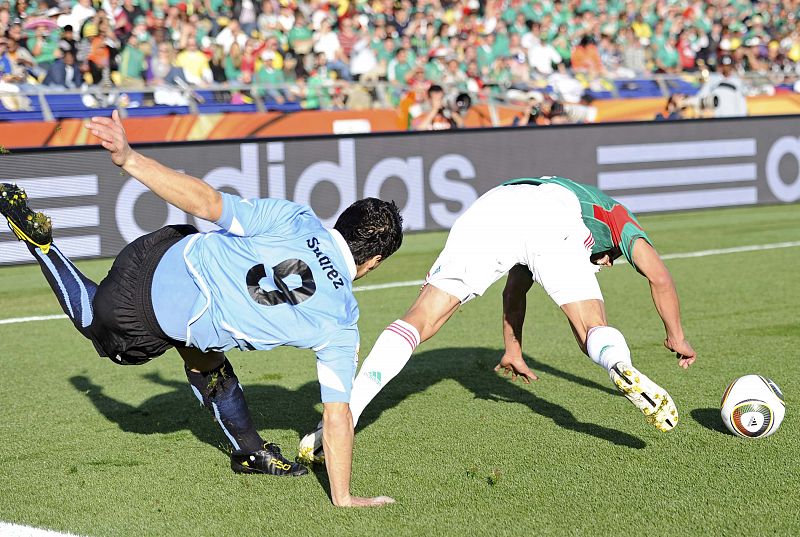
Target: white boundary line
[16,320]
[734,250]
[414,283]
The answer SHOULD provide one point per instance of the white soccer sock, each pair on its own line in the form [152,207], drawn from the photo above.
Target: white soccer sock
[387,358]
[606,347]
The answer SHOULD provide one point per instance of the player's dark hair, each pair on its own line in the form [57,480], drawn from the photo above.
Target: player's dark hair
[371,227]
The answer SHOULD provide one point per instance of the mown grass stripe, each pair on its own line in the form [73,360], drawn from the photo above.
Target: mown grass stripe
[413,283]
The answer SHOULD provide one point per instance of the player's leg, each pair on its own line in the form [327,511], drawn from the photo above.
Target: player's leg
[217,387]
[388,357]
[569,279]
[606,346]
[394,346]
[456,277]
[74,291]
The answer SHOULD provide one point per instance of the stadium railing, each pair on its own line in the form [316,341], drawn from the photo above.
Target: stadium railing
[46,103]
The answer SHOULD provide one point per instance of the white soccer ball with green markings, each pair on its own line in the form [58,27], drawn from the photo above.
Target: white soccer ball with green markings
[752,407]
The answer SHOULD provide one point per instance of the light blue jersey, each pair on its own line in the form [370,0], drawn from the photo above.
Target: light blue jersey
[273,277]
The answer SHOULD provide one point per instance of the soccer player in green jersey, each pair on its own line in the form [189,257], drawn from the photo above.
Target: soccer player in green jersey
[548,230]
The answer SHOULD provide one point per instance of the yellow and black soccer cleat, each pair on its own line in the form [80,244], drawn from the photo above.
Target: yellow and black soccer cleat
[653,400]
[310,450]
[29,226]
[265,461]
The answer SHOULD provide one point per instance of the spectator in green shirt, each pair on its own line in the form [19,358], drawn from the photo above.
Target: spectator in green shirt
[667,57]
[132,63]
[561,43]
[486,53]
[399,67]
[43,46]
[318,84]
[385,52]
[270,78]
[519,25]
[434,69]
[301,38]
[233,63]
[501,40]
[500,76]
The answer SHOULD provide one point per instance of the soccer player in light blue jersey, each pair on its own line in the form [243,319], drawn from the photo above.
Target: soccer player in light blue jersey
[272,276]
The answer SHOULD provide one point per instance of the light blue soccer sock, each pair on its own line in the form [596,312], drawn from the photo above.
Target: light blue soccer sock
[74,291]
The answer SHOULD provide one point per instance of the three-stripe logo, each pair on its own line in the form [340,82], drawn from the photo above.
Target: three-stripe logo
[69,211]
[680,175]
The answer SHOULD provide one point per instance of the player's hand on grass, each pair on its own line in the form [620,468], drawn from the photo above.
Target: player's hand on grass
[112,137]
[515,364]
[355,501]
[683,351]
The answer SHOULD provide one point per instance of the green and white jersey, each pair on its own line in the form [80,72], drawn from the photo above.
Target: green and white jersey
[611,224]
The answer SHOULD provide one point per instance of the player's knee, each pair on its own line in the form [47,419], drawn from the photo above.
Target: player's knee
[431,310]
[337,414]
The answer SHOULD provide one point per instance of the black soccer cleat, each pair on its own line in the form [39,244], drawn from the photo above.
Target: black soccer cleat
[31,227]
[265,461]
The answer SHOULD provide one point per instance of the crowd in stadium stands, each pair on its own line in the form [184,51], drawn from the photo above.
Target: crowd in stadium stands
[308,51]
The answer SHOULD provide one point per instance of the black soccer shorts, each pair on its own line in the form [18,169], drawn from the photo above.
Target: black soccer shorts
[125,328]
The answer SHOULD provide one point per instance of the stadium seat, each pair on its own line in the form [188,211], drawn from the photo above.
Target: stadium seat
[157,110]
[599,94]
[81,113]
[64,101]
[682,86]
[637,88]
[34,114]
[210,107]
[285,107]
[6,115]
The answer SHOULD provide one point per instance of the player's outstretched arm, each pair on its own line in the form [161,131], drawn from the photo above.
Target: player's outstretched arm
[515,292]
[665,298]
[185,192]
[337,440]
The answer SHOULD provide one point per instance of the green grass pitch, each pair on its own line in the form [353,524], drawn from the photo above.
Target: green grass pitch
[96,449]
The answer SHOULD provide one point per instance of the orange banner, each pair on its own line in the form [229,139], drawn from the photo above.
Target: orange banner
[646,109]
[70,132]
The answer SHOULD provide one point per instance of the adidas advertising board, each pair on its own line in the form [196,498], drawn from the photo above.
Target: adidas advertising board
[97,209]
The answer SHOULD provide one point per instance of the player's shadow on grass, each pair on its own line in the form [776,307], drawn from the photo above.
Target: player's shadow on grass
[272,407]
[275,407]
[472,368]
[710,419]
[541,367]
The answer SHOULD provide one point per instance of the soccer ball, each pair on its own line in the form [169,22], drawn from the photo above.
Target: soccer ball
[752,407]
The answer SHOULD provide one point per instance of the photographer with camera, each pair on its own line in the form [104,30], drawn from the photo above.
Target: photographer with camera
[723,93]
[443,115]
[542,110]
[673,109]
